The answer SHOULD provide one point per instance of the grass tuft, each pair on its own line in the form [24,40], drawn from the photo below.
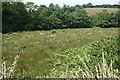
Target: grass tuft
[8,72]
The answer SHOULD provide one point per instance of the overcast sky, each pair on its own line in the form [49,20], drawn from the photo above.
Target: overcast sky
[72,2]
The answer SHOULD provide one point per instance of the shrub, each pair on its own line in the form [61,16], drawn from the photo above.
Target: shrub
[88,60]
[105,20]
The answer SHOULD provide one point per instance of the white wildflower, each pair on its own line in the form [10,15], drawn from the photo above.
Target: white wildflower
[5,41]
[53,35]
[9,38]
[37,42]
[100,31]
[41,33]
[14,33]
[89,33]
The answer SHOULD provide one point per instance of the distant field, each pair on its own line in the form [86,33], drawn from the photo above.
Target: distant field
[93,11]
[35,47]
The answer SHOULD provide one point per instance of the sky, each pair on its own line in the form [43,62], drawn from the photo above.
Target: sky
[72,2]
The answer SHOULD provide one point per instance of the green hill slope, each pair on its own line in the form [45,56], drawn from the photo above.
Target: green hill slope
[93,11]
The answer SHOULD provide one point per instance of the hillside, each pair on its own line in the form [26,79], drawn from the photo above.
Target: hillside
[93,11]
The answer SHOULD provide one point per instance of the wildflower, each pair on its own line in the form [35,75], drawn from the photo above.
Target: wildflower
[9,38]
[41,33]
[100,31]
[14,33]
[89,33]
[53,35]
[5,41]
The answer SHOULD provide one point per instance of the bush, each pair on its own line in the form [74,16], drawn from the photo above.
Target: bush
[111,49]
[72,61]
[105,20]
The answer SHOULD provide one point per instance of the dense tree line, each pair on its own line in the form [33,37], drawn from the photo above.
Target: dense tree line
[90,5]
[25,17]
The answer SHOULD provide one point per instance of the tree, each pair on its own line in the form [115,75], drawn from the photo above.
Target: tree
[51,8]
[42,17]
[54,22]
[31,7]
[24,17]
[57,7]
[13,17]
[105,20]
[89,5]
[79,19]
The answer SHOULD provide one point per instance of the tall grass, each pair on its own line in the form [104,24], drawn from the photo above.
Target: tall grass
[39,45]
[8,72]
[103,70]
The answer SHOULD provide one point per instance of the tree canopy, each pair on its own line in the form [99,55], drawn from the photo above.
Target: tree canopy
[17,16]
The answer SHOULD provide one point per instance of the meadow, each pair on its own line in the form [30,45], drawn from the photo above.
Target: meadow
[38,48]
[59,42]
[94,11]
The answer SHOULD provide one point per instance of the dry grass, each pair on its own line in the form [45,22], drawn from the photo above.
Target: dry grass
[102,70]
[8,72]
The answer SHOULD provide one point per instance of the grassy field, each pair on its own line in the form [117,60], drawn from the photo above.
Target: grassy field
[93,11]
[35,48]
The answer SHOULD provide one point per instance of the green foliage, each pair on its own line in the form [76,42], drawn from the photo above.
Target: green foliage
[54,22]
[102,70]
[89,5]
[14,16]
[111,49]
[72,59]
[27,17]
[105,20]
[79,19]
